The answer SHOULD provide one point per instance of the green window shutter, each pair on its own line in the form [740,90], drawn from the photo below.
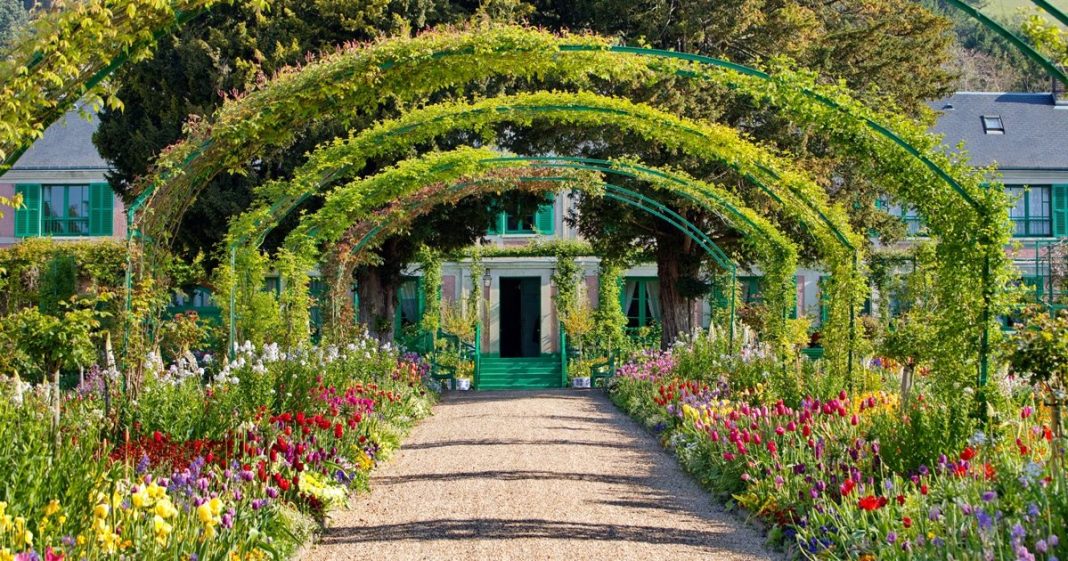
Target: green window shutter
[495,225]
[101,207]
[1060,210]
[28,216]
[545,219]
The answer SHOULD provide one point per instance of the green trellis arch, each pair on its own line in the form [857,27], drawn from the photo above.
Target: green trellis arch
[775,252]
[912,161]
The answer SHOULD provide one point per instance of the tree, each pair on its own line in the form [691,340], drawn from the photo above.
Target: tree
[230,49]
[12,17]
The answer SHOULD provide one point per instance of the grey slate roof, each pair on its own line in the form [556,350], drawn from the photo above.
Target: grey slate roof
[1036,132]
[66,145]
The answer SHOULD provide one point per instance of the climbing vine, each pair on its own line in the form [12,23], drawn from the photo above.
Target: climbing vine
[889,149]
[430,263]
[566,277]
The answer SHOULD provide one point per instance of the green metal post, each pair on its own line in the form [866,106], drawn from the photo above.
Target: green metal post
[563,355]
[852,324]
[233,302]
[734,297]
[984,348]
[478,354]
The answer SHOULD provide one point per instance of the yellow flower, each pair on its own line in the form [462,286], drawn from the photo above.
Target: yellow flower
[141,499]
[81,539]
[101,510]
[3,508]
[5,522]
[162,530]
[62,519]
[5,555]
[156,492]
[52,508]
[165,509]
[216,506]
[204,514]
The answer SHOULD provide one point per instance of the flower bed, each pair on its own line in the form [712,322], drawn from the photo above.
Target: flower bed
[233,465]
[860,476]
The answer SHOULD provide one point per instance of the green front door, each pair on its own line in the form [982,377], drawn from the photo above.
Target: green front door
[520,317]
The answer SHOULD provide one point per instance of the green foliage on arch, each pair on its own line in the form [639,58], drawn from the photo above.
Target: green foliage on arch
[800,198]
[890,150]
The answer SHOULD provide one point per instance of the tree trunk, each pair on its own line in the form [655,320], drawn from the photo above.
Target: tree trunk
[676,261]
[378,303]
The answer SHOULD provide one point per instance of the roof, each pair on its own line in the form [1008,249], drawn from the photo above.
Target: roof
[67,144]
[1036,131]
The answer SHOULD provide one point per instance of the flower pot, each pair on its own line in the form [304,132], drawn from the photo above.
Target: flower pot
[463,384]
[583,382]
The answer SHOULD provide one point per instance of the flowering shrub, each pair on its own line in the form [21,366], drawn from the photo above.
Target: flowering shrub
[231,463]
[819,471]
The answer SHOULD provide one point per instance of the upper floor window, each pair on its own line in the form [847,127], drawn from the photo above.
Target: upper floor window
[542,221]
[908,214]
[64,210]
[1032,211]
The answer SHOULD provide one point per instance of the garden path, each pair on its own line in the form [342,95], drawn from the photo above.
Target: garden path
[534,475]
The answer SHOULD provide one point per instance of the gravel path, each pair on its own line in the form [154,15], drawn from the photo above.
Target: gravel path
[534,475]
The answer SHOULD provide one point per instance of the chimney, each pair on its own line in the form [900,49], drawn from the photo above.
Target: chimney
[1060,94]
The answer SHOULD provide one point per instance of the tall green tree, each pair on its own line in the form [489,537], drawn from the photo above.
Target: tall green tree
[891,52]
[12,17]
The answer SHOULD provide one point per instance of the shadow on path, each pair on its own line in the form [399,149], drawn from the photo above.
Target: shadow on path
[497,529]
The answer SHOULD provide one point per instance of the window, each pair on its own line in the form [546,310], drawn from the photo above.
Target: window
[641,301]
[65,210]
[542,222]
[1032,211]
[992,124]
[751,293]
[914,226]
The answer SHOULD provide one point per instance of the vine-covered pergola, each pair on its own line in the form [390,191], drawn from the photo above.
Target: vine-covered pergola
[966,219]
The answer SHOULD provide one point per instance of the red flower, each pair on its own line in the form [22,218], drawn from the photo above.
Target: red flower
[806,430]
[967,454]
[847,487]
[338,431]
[157,436]
[988,471]
[923,489]
[900,499]
[870,503]
[907,522]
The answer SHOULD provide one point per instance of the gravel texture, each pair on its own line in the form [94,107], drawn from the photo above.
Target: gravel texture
[534,475]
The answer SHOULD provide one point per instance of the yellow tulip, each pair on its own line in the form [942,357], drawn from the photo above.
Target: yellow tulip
[52,507]
[165,509]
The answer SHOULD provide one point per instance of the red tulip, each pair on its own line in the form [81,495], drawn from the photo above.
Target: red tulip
[967,454]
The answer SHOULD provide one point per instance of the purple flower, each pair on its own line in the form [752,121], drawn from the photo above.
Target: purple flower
[891,537]
[1033,510]
[272,492]
[1018,531]
[258,503]
[935,513]
[1041,546]
[989,496]
[985,522]
[142,464]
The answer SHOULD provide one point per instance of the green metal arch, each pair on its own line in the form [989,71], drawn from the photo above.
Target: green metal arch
[281,208]
[879,128]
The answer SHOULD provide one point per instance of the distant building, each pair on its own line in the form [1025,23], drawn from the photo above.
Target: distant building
[65,193]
